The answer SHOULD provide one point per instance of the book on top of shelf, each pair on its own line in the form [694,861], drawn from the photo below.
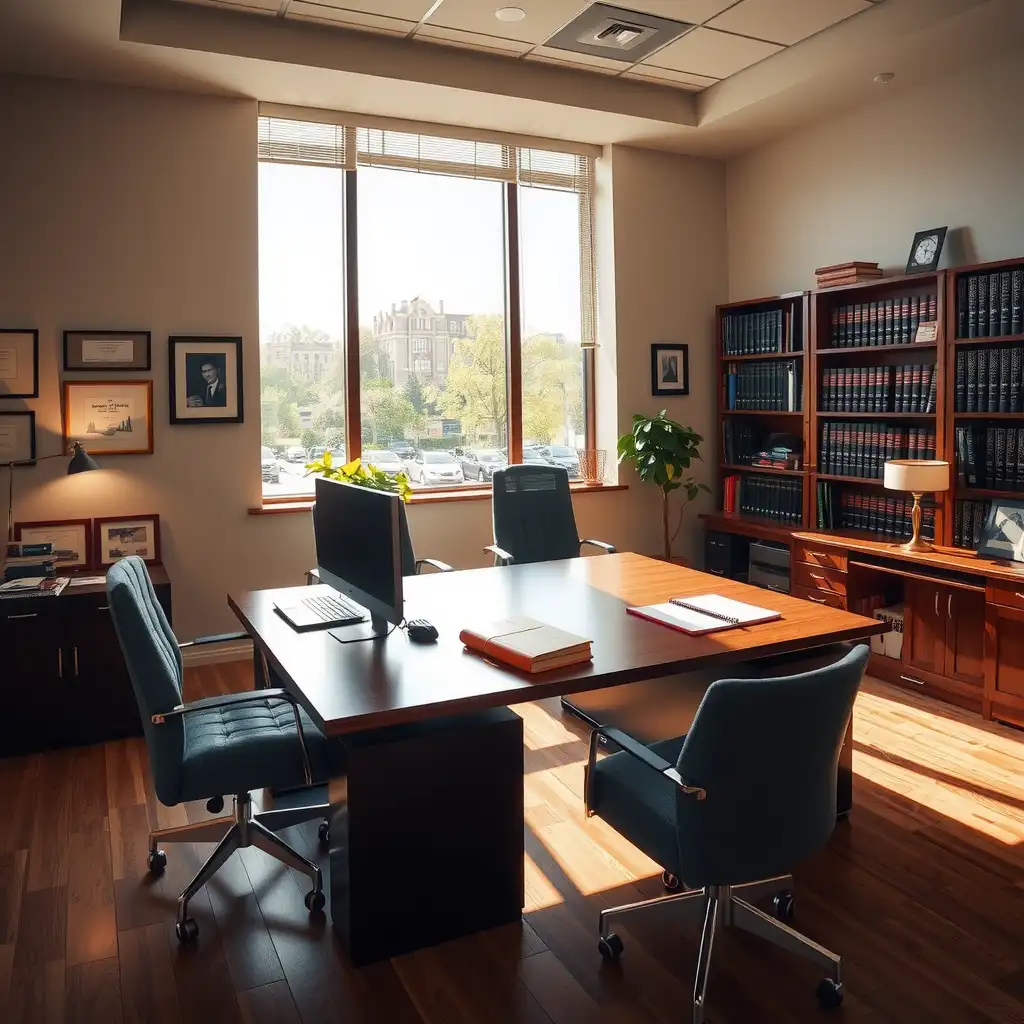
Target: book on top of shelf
[852,264]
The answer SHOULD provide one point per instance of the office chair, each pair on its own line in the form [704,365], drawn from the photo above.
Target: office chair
[533,516]
[233,743]
[730,807]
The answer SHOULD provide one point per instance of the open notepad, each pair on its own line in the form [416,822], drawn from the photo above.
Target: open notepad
[706,613]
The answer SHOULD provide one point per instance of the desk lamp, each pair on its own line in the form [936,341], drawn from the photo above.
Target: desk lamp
[918,476]
[81,462]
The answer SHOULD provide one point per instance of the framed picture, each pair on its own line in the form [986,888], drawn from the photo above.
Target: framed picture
[106,350]
[71,539]
[1003,534]
[670,369]
[109,417]
[126,535]
[206,380]
[19,363]
[925,251]
[17,437]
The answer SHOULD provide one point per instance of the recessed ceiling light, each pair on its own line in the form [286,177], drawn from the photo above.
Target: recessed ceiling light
[510,14]
[884,78]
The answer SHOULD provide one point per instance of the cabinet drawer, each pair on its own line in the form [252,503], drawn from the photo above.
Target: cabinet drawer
[816,577]
[1009,595]
[831,558]
[833,600]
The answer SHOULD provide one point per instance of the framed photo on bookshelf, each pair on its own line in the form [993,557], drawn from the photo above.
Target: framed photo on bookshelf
[670,369]
[118,537]
[1003,533]
[72,538]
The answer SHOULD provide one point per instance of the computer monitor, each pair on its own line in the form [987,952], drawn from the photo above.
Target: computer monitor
[358,547]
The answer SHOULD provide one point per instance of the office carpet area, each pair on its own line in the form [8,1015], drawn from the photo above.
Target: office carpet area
[922,891]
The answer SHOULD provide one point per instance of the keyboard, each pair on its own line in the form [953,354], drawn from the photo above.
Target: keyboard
[333,609]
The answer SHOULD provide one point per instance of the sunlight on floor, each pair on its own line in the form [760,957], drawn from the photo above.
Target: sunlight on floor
[540,892]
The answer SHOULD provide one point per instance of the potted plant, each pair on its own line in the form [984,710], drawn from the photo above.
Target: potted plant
[355,472]
[661,450]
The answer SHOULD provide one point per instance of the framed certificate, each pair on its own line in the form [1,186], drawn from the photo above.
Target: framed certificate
[19,363]
[107,350]
[109,417]
[17,437]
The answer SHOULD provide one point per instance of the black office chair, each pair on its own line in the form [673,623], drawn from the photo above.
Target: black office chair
[733,805]
[533,516]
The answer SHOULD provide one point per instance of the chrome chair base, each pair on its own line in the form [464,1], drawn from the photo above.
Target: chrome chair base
[238,831]
[721,905]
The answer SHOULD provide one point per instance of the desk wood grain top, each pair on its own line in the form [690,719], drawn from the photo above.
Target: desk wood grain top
[351,687]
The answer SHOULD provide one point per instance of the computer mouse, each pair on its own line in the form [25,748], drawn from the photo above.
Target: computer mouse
[421,632]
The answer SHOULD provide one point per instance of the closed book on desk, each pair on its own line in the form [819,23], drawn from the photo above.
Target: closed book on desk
[527,644]
[706,613]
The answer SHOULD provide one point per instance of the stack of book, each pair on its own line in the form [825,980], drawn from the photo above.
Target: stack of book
[768,386]
[886,514]
[776,458]
[885,322]
[860,450]
[990,379]
[841,274]
[990,305]
[968,522]
[761,496]
[761,332]
[31,569]
[990,457]
[879,389]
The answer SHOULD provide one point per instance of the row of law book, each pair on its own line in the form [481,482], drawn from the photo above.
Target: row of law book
[879,389]
[768,386]
[762,332]
[844,274]
[764,497]
[990,379]
[969,520]
[989,305]
[990,457]
[888,515]
[861,449]
[885,322]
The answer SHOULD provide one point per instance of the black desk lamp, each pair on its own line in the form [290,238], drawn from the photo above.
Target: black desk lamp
[81,462]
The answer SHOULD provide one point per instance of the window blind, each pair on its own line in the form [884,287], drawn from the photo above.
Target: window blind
[306,142]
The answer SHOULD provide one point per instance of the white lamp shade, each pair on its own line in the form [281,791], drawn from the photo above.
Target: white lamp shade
[919,476]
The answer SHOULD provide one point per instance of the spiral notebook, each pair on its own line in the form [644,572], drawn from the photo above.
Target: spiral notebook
[705,613]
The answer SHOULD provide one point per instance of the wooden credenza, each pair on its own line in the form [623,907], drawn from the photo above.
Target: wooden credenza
[65,682]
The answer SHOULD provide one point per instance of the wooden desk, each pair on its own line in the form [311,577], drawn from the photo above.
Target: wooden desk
[427,824]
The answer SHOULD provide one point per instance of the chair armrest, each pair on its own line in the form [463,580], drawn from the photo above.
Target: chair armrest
[434,564]
[217,638]
[642,753]
[503,557]
[609,549]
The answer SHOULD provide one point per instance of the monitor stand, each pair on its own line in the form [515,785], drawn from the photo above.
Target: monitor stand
[376,629]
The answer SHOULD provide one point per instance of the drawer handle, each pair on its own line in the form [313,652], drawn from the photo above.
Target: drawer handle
[911,679]
[1017,593]
[27,615]
[103,608]
[936,611]
[949,605]
[815,576]
[816,600]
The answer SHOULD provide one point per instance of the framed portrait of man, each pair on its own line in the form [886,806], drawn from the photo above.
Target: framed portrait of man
[206,380]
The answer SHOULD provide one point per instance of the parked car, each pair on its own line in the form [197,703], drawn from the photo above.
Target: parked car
[533,457]
[480,463]
[296,454]
[403,449]
[384,460]
[436,468]
[271,470]
[316,454]
[561,455]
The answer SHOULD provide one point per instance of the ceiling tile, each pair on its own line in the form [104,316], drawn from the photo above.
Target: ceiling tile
[786,21]
[300,10]
[668,76]
[715,54]
[407,10]
[251,6]
[543,17]
[694,11]
[567,58]
[470,40]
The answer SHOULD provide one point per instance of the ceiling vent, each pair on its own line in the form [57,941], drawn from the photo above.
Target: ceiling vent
[617,33]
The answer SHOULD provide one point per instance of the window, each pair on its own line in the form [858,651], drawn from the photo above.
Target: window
[500,381]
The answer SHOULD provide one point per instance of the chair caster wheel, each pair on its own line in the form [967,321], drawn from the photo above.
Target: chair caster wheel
[829,993]
[215,804]
[315,901]
[610,947]
[670,881]
[323,833]
[156,862]
[783,905]
[187,931]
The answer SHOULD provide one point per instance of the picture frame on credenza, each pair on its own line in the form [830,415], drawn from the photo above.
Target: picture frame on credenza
[119,536]
[1003,533]
[70,535]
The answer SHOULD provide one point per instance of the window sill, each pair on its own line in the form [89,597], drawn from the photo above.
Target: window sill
[285,507]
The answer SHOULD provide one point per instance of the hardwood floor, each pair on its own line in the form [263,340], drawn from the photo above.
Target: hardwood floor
[922,892]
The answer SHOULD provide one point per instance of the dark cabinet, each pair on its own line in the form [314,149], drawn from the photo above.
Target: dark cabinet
[64,679]
[965,636]
[945,632]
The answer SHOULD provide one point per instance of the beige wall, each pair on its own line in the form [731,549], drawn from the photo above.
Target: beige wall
[859,186]
[136,209]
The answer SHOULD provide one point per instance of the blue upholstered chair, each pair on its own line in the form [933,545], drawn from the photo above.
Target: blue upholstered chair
[229,744]
[732,806]
[533,516]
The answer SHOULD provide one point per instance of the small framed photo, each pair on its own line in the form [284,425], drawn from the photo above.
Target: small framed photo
[71,540]
[19,362]
[109,417]
[206,380]
[670,369]
[126,535]
[107,350]
[17,437]
[925,251]
[1003,533]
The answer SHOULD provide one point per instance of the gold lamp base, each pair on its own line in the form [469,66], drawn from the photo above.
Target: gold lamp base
[916,543]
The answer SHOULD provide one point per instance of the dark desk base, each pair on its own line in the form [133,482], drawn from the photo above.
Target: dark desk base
[427,834]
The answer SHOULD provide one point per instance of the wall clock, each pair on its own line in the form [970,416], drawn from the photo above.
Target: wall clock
[925,251]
